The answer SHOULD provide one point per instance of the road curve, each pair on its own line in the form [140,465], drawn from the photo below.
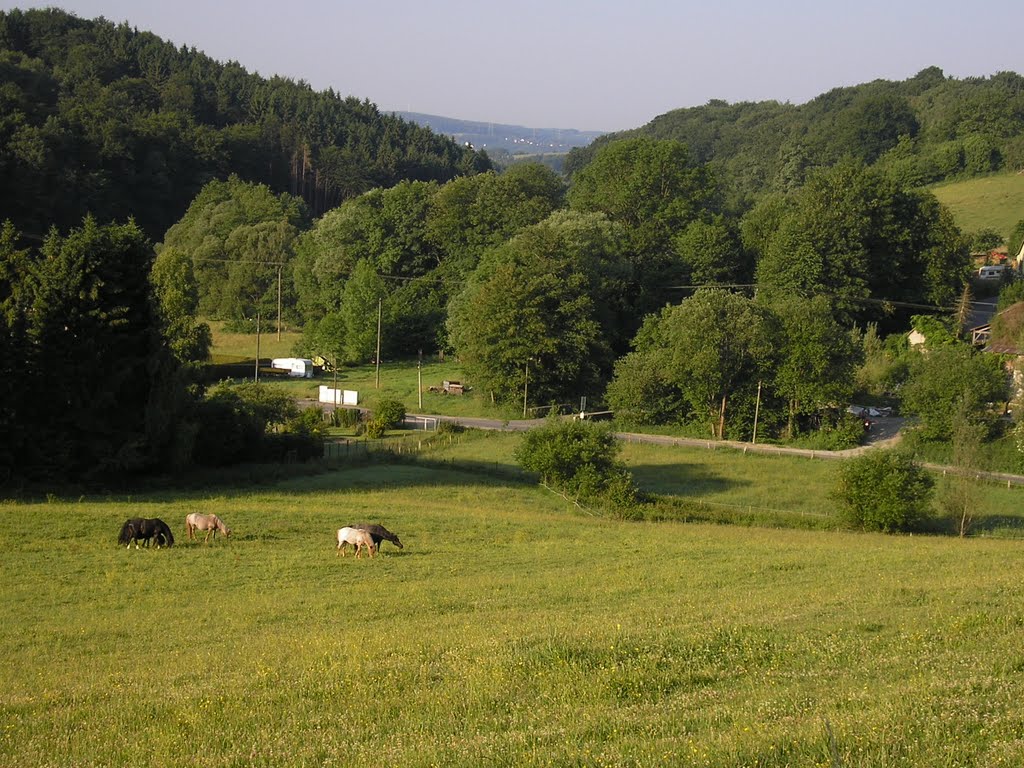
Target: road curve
[884,433]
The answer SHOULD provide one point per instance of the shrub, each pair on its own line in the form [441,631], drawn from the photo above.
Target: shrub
[837,432]
[346,417]
[449,428]
[375,429]
[579,458]
[884,490]
[390,413]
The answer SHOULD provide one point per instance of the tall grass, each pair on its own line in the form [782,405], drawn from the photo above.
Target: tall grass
[508,631]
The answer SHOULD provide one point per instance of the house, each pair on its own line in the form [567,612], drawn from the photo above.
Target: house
[1005,335]
[1005,331]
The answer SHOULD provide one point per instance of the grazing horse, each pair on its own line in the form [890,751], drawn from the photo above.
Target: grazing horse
[379,533]
[145,529]
[358,539]
[209,523]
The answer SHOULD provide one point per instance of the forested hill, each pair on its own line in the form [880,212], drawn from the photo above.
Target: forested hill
[104,118]
[924,129]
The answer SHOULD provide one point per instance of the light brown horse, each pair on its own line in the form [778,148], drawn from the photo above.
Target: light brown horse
[357,538]
[209,523]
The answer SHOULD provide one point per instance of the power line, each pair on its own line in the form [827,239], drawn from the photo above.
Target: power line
[864,299]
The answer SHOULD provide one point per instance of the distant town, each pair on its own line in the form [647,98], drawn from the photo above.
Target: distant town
[513,138]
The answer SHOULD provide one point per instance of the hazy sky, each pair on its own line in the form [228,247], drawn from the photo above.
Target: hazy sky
[587,65]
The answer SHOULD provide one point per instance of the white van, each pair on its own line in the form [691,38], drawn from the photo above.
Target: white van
[993,272]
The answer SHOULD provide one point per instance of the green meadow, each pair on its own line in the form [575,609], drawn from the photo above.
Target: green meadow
[513,629]
[990,202]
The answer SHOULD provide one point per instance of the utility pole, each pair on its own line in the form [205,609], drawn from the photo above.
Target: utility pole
[526,386]
[757,409]
[257,376]
[419,379]
[279,266]
[379,305]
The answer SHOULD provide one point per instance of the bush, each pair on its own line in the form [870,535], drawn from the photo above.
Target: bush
[449,428]
[346,417]
[837,432]
[390,413]
[579,458]
[375,429]
[884,490]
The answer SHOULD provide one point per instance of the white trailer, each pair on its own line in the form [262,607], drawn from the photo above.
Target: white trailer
[299,367]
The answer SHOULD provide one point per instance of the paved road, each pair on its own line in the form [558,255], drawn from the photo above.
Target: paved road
[885,432]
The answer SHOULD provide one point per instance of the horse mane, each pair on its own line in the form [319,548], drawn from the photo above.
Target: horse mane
[379,533]
[164,530]
[126,532]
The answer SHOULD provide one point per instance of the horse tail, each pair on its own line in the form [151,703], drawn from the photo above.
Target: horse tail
[127,530]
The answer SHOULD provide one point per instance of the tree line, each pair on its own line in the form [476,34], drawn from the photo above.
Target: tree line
[645,281]
[101,118]
[922,130]
[634,285]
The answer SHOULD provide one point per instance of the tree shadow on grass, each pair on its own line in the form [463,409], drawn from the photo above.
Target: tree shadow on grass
[682,480]
[999,525]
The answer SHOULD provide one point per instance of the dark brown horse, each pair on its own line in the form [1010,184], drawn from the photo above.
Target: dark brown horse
[146,529]
[379,533]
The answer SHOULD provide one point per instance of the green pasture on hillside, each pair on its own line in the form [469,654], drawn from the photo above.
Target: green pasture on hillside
[989,202]
[231,347]
[509,631]
[727,485]
[395,380]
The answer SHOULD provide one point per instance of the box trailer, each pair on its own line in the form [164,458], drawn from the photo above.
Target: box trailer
[299,367]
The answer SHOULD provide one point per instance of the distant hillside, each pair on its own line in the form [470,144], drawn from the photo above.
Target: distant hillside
[102,118]
[991,202]
[514,138]
[923,130]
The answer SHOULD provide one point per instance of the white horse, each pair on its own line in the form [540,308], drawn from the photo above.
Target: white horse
[209,523]
[357,538]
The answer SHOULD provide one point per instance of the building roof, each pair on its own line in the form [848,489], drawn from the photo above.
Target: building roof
[1006,330]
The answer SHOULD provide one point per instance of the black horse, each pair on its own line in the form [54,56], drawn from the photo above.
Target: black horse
[146,529]
[379,533]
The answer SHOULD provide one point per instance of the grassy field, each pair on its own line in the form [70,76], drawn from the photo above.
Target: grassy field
[398,380]
[507,632]
[729,486]
[991,202]
[231,347]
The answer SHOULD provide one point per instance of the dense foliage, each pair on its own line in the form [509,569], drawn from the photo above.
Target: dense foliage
[884,490]
[954,379]
[631,284]
[925,129]
[252,422]
[537,314]
[90,386]
[579,459]
[857,237]
[101,118]
[234,237]
[717,358]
